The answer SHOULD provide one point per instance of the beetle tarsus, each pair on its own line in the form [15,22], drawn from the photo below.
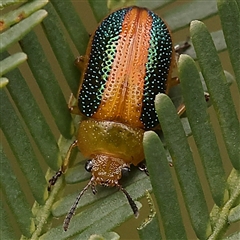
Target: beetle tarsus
[143,168]
[94,190]
[53,180]
[181,48]
[79,62]
[207,96]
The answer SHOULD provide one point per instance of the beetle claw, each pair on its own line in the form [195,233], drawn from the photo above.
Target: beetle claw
[53,180]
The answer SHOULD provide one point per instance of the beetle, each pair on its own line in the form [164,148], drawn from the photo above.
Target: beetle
[128,61]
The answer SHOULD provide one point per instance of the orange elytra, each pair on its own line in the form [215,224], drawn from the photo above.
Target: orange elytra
[128,62]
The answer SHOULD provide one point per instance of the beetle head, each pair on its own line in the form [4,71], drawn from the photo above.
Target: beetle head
[106,171]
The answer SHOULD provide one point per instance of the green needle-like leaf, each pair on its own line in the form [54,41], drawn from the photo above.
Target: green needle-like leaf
[19,30]
[229,13]
[105,236]
[181,16]
[77,173]
[163,186]
[234,236]
[151,224]
[6,231]
[95,219]
[196,108]
[6,3]
[3,82]
[218,88]
[22,149]
[15,198]
[47,83]
[108,221]
[184,166]
[11,62]
[234,214]
[218,215]
[34,118]
[153,4]
[20,13]
[99,10]
[73,24]
[61,48]
[140,183]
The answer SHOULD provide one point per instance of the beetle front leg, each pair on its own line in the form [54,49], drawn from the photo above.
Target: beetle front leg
[64,166]
[79,62]
[181,109]
[73,108]
[143,168]
[181,48]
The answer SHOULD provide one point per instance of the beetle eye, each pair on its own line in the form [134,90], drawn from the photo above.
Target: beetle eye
[125,170]
[88,165]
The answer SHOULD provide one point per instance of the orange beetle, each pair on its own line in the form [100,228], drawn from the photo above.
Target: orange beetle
[128,62]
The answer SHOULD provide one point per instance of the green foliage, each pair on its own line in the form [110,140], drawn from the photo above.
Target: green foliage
[28,138]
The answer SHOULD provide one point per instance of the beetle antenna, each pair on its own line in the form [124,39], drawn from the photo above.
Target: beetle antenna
[74,206]
[130,200]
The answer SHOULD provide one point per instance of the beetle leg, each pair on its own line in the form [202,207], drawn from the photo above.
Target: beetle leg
[64,166]
[79,62]
[65,163]
[73,108]
[181,48]
[94,190]
[171,83]
[143,168]
[54,178]
[181,109]
[207,96]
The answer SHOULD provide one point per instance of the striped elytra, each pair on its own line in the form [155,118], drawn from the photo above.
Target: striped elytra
[128,62]
[128,65]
